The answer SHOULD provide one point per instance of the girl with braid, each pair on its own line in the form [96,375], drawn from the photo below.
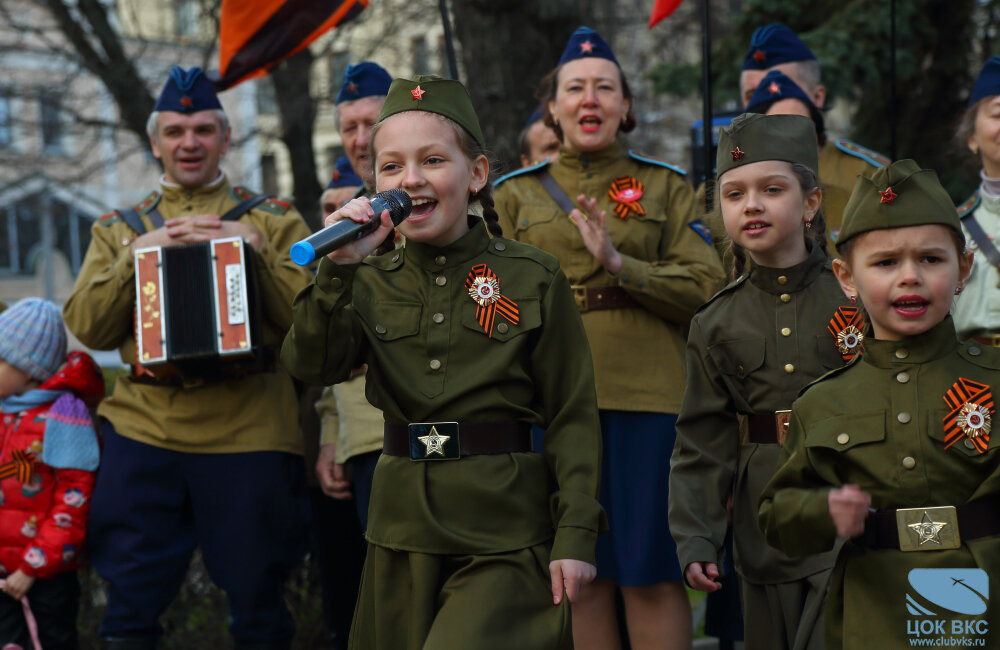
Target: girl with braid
[469,340]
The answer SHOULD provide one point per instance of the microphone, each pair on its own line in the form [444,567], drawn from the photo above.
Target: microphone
[321,243]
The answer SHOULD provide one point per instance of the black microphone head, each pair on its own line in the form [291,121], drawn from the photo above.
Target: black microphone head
[396,201]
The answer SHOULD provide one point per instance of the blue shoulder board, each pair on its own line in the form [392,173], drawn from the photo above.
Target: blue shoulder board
[654,161]
[854,149]
[969,206]
[518,172]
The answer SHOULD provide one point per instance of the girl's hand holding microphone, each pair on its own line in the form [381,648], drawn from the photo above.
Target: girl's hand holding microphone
[359,210]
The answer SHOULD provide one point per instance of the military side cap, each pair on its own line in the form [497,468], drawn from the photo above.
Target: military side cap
[187,91]
[752,137]
[585,42]
[775,44]
[897,196]
[988,81]
[433,94]
[776,86]
[365,79]
[343,175]
[538,114]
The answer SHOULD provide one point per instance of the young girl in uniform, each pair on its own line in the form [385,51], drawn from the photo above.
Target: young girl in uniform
[781,324]
[470,339]
[894,451]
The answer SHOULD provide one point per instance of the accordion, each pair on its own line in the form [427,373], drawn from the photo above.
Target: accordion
[197,310]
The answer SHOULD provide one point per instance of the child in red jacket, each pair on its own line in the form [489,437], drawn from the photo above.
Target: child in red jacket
[48,454]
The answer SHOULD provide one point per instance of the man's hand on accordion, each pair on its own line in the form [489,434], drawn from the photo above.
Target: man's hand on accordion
[198,228]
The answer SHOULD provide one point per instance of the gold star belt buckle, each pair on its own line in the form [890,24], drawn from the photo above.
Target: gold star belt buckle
[580,296]
[781,420]
[434,441]
[928,529]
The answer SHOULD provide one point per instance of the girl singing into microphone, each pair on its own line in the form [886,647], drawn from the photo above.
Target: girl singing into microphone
[470,339]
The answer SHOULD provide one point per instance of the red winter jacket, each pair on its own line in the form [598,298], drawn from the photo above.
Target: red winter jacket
[43,522]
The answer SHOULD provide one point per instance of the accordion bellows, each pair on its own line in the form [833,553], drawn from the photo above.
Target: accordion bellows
[197,309]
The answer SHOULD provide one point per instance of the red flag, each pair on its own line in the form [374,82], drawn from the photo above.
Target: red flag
[662,9]
[256,35]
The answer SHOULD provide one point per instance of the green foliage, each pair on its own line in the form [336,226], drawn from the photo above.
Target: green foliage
[677,79]
[940,45]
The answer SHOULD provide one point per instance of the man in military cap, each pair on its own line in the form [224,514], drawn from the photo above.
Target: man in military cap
[776,47]
[358,104]
[343,186]
[537,141]
[190,462]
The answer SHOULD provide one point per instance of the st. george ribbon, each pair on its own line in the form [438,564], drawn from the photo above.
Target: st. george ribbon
[321,243]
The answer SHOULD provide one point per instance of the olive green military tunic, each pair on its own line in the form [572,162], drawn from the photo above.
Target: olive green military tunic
[409,316]
[668,267]
[840,164]
[977,309]
[879,423]
[253,413]
[750,350]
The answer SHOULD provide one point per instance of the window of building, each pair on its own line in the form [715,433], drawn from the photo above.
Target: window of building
[267,98]
[419,55]
[269,174]
[187,16]
[51,122]
[338,65]
[6,120]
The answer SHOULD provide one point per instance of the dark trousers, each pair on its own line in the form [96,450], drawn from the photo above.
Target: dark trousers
[152,507]
[361,469]
[339,549]
[54,605]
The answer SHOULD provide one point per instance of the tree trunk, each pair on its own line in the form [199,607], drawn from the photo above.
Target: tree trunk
[508,47]
[298,114]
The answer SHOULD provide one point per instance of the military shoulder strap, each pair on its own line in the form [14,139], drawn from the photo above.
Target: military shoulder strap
[243,207]
[557,193]
[132,218]
[982,240]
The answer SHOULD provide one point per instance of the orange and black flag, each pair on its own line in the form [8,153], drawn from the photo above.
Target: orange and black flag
[256,35]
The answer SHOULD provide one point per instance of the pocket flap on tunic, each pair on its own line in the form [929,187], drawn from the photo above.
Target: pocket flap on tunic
[739,357]
[846,432]
[529,317]
[390,320]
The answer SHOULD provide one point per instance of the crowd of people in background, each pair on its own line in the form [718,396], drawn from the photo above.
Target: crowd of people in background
[544,405]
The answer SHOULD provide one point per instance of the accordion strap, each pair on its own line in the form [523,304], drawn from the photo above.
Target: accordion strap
[132,218]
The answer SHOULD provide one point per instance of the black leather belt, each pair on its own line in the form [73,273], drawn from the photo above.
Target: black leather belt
[768,428]
[603,297]
[452,440]
[932,528]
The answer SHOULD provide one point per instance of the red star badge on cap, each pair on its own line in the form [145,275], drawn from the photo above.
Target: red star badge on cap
[352,88]
[418,93]
[336,175]
[186,101]
[737,154]
[586,47]
[888,196]
[774,88]
[759,55]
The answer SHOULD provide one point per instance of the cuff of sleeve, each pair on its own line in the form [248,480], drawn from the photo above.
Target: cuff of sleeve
[633,273]
[572,543]
[124,265]
[699,549]
[333,279]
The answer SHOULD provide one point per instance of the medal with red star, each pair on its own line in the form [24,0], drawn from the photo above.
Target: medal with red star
[774,88]
[626,191]
[970,415]
[483,286]
[888,196]
[737,154]
[586,47]
[847,327]
[418,93]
